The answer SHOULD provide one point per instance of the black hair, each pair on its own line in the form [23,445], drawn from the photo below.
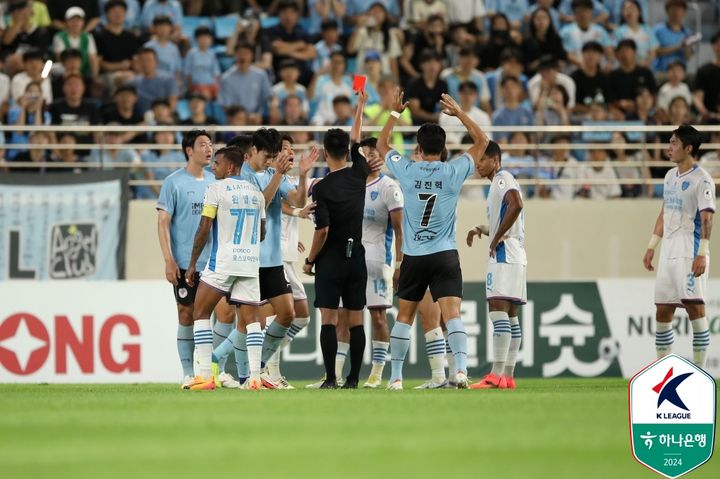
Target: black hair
[203,30]
[32,54]
[582,4]
[511,53]
[341,99]
[147,50]
[429,54]
[337,53]
[286,5]
[468,85]
[386,25]
[234,110]
[689,136]
[242,142]
[592,45]
[267,140]
[509,78]
[286,137]
[328,24]
[246,46]
[370,142]
[69,53]
[551,35]
[115,3]
[189,139]
[563,91]
[431,139]
[233,154]
[626,42]
[493,149]
[162,20]
[126,88]
[467,51]
[560,137]
[637,4]
[158,102]
[336,143]
[715,37]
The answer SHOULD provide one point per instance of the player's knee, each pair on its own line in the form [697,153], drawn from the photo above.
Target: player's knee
[379,319]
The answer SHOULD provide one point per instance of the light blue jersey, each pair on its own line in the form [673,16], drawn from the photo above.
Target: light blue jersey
[182,197]
[270,248]
[431,191]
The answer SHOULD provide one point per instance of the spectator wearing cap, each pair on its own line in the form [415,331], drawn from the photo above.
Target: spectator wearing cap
[675,40]
[674,87]
[202,70]
[198,112]
[514,10]
[73,109]
[73,36]
[634,28]
[58,10]
[359,8]
[33,63]
[549,6]
[466,71]
[245,85]
[421,10]
[547,76]
[583,30]
[625,80]
[325,11]
[590,80]
[168,8]
[116,46]
[706,97]
[432,37]
[168,54]
[374,32]
[423,93]
[510,66]
[151,84]
[541,40]
[328,43]
[470,13]
[599,16]
[29,109]
[132,13]
[326,87]
[124,111]
[501,38]
[289,40]
[513,112]
[468,99]
[288,85]
[20,35]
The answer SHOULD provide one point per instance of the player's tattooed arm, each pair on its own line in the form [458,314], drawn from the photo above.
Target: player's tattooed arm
[201,238]
[654,240]
[514,207]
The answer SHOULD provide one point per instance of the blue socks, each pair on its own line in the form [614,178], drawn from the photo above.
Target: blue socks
[274,335]
[457,338]
[399,345]
[185,347]
[221,331]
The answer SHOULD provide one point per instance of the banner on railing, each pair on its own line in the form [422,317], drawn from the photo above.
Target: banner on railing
[63,226]
[124,332]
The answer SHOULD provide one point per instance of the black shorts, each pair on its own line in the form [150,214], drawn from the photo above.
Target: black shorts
[438,271]
[273,283]
[339,277]
[185,294]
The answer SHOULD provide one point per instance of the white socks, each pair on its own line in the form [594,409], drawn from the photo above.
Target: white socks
[435,349]
[501,340]
[701,341]
[203,336]
[663,338]
[515,340]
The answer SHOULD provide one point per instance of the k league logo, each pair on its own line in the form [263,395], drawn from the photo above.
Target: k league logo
[672,416]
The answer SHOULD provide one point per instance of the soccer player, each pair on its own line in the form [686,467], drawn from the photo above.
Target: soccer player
[381,221]
[179,206]
[431,188]
[684,225]
[235,211]
[272,181]
[505,287]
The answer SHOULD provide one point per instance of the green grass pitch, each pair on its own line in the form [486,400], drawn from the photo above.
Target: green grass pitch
[561,428]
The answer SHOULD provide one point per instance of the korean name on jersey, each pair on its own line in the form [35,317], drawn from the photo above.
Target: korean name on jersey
[512,248]
[235,249]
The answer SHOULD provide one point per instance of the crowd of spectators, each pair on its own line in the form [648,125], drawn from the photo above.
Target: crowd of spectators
[291,62]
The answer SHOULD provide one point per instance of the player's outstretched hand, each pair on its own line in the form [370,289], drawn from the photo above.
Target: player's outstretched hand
[648,258]
[308,160]
[375,164]
[698,265]
[283,162]
[476,231]
[307,211]
[301,247]
[398,105]
[190,275]
[449,106]
[172,272]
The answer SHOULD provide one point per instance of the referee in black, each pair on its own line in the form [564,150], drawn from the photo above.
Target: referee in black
[337,252]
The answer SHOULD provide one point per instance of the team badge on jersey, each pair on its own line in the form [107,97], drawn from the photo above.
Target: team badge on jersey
[395,158]
[501,184]
[374,195]
[685,185]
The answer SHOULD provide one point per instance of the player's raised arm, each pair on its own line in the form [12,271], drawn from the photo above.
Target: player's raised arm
[480,139]
[654,241]
[282,165]
[383,143]
[514,207]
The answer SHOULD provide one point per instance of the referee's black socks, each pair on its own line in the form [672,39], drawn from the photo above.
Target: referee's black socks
[357,349]
[328,344]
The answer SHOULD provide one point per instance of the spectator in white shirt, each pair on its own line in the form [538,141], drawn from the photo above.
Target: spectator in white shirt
[604,181]
[674,87]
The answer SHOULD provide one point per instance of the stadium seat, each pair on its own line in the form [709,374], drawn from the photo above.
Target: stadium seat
[183,109]
[189,24]
[216,110]
[225,26]
[226,62]
[269,22]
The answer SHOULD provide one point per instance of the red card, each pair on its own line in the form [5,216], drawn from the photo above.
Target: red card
[359,82]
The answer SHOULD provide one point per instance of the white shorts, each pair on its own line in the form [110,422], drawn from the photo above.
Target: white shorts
[506,281]
[379,290]
[239,289]
[675,282]
[298,289]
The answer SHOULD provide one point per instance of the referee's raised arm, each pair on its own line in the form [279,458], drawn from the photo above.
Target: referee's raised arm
[383,143]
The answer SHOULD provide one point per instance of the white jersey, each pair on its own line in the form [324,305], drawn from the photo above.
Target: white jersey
[512,248]
[289,237]
[382,196]
[684,197]
[239,208]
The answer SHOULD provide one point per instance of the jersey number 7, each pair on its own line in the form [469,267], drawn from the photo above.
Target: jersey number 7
[242,213]
[429,199]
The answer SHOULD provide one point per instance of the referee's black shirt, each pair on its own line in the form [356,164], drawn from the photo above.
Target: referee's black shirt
[340,199]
